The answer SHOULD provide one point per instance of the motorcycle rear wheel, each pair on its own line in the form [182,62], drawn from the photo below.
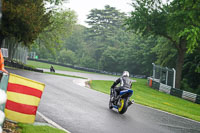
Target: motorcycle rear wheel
[122,109]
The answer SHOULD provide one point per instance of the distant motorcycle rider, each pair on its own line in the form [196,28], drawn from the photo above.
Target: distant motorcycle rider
[52,69]
[125,83]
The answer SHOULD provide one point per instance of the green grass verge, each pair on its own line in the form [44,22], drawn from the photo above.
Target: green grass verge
[59,74]
[47,66]
[37,64]
[28,128]
[147,96]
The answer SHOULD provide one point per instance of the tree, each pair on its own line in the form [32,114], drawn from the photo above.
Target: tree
[56,2]
[88,62]
[110,59]
[75,40]
[23,20]
[165,52]
[177,21]
[139,54]
[106,28]
[53,36]
[67,57]
[191,72]
[104,22]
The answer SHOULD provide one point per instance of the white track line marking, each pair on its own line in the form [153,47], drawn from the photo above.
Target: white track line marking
[52,122]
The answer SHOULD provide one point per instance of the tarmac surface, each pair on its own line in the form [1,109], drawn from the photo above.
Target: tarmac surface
[82,110]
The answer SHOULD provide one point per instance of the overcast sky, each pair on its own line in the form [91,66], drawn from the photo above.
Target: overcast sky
[83,7]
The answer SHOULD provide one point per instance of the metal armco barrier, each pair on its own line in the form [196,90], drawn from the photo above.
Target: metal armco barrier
[197,99]
[189,96]
[175,92]
[3,97]
[21,66]
[155,85]
[165,88]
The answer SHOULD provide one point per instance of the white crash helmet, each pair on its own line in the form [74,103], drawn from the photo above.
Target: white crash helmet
[125,74]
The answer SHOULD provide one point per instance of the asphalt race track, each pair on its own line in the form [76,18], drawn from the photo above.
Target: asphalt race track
[82,110]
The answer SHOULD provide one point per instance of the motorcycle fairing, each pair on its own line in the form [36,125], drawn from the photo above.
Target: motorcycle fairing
[129,91]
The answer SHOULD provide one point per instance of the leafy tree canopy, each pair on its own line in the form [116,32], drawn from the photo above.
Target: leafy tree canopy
[179,22]
[23,20]
[104,20]
[53,36]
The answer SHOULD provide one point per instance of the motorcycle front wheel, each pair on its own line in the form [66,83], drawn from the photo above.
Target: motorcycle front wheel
[123,106]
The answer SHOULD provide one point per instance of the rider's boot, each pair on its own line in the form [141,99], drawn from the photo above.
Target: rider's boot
[130,102]
[112,99]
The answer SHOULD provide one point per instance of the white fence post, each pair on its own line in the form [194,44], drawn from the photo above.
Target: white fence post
[174,77]
[166,80]
[154,71]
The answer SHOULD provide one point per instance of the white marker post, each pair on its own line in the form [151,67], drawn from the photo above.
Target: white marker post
[174,77]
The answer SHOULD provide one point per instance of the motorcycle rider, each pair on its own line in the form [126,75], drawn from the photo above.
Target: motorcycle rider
[125,83]
[52,69]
